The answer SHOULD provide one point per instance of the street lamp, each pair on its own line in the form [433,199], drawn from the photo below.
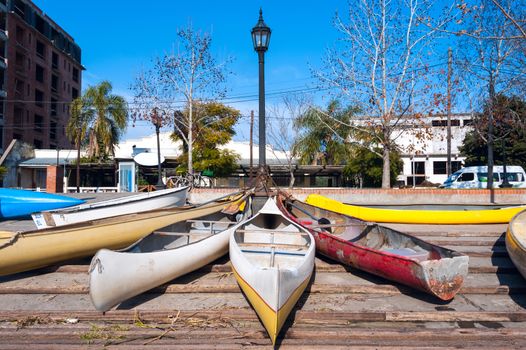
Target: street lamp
[261,39]
[157,121]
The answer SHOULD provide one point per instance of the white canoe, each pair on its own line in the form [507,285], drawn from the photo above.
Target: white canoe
[161,256]
[170,197]
[272,259]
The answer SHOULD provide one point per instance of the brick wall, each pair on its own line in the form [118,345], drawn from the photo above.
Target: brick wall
[390,196]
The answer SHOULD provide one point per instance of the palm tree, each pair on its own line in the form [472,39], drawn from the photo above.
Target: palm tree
[77,127]
[322,135]
[109,122]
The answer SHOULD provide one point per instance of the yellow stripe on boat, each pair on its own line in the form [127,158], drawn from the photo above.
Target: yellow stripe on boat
[272,320]
[285,310]
[414,216]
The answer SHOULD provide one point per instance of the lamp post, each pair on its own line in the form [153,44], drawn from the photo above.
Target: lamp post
[261,39]
[157,121]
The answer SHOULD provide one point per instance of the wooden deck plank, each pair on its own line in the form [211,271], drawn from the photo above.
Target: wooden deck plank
[341,308]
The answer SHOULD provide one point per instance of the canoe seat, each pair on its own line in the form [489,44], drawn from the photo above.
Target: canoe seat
[408,253]
[274,245]
[211,222]
[168,233]
[276,252]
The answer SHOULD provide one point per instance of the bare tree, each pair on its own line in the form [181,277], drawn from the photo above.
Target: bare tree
[281,135]
[180,79]
[493,64]
[380,66]
[511,13]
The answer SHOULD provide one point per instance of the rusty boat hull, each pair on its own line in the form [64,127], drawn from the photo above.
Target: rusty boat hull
[381,251]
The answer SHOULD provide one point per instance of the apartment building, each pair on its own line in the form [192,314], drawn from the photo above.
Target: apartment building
[40,74]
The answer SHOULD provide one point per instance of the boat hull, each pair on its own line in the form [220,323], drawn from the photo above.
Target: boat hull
[272,317]
[378,250]
[114,207]
[29,250]
[442,278]
[20,203]
[272,290]
[117,276]
[411,216]
[516,242]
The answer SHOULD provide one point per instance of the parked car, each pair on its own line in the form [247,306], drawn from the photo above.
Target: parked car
[477,177]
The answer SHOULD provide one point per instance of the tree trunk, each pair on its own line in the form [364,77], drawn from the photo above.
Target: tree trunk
[78,163]
[386,171]
[190,139]
[292,178]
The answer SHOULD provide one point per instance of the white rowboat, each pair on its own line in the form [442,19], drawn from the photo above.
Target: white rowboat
[272,259]
[161,256]
[170,197]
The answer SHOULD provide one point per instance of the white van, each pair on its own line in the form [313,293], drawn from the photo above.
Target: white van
[477,177]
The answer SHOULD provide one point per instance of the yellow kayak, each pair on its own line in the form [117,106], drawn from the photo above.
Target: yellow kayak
[516,241]
[417,216]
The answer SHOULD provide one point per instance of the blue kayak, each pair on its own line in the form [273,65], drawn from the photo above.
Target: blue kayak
[20,203]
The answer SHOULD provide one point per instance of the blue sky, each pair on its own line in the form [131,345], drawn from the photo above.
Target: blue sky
[118,38]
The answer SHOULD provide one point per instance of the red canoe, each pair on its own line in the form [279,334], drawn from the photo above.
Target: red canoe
[380,250]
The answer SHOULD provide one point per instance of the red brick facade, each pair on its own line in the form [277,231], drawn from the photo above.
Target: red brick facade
[54,179]
[41,80]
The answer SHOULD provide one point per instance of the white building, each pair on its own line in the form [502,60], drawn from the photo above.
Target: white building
[426,158]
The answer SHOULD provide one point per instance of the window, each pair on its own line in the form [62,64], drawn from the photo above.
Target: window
[53,130]
[418,168]
[74,93]
[39,122]
[54,60]
[41,50]
[18,117]
[53,107]
[20,35]
[54,83]
[483,177]
[468,122]
[466,177]
[37,143]
[39,73]
[19,88]
[39,98]
[512,176]
[75,74]
[40,24]
[440,167]
[20,8]
[441,122]
[19,62]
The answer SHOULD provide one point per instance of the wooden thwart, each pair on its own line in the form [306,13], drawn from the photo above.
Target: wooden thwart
[339,225]
[190,234]
[274,245]
[211,222]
